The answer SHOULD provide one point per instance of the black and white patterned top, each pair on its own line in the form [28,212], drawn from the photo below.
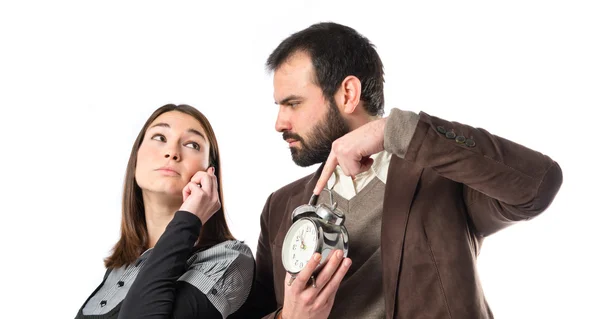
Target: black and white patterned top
[163,283]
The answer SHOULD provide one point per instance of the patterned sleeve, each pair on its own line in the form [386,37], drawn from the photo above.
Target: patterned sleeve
[224,274]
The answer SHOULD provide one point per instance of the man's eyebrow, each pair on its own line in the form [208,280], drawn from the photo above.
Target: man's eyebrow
[288,99]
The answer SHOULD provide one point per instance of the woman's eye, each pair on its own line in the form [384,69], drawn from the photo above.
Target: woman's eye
[159,137]
[193,145]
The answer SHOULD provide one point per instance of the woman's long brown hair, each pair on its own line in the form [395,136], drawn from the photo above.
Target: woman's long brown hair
[134,234]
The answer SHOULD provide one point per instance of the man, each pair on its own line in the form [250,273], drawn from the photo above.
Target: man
[419,193]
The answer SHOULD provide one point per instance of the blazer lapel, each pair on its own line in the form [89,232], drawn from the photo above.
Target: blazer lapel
[295,200]
[402,181]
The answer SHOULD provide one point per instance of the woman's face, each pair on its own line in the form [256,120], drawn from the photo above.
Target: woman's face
[174,148]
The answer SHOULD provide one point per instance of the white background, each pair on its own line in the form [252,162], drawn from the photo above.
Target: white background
[78,79]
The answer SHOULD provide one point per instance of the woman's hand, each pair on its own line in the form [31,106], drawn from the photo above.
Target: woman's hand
[201,195]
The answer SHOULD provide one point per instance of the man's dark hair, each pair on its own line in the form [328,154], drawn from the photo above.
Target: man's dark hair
[337,51]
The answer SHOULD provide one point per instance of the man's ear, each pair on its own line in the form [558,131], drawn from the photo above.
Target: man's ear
[348,95]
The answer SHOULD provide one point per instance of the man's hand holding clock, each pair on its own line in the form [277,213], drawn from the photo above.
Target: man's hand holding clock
[302,299]
[317,232]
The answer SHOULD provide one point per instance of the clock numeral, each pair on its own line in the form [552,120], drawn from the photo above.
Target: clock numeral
[294,247]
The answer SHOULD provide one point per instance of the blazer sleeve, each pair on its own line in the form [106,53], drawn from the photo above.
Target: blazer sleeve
[503,182]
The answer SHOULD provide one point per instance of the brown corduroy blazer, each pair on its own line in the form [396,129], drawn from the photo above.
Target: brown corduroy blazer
[456,185]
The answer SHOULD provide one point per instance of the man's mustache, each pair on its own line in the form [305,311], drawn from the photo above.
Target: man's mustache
[293,136]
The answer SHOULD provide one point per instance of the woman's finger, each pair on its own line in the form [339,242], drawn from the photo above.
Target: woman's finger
[186,192]
[197,178]
[207,184]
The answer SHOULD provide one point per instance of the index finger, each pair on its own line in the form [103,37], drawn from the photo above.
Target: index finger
[207,183]
[328,170]
[197,178]
[305,274]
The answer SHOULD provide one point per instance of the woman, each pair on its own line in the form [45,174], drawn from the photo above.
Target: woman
[176,257]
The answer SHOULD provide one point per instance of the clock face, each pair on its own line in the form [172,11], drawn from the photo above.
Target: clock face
[299,245]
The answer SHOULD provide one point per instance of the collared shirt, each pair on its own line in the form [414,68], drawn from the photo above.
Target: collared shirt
[348,188]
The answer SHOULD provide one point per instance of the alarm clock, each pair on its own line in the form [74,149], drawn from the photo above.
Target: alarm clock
[315,229]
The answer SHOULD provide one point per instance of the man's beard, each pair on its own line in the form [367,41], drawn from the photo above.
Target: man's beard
[317,145]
